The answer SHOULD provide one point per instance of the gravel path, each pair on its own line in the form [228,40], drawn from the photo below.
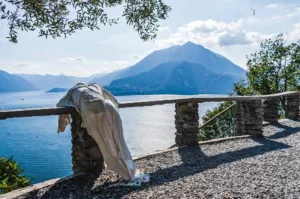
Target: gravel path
[244,168]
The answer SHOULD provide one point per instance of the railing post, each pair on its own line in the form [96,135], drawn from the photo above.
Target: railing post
[240,130]
[292,107]
[187,123]
[271,110]
[253,117]
[86,155]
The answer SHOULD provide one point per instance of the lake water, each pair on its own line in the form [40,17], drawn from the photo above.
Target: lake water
[44,154]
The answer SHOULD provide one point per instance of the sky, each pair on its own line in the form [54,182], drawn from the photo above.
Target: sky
[227,27]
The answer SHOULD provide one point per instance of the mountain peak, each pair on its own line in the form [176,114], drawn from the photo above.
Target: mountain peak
[189,43]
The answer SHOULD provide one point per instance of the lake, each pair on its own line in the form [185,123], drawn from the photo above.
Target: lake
[45,154]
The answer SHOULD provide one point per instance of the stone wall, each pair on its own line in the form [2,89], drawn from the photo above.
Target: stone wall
[249,117]
[292,107]
[86,155]
[240,127]
[271,110]
[187,123]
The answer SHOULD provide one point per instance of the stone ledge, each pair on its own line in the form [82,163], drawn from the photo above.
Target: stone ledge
[22,191]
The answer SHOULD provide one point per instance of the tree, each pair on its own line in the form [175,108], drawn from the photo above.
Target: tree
[57,18]
[11,177]
[274,68]
[222,126]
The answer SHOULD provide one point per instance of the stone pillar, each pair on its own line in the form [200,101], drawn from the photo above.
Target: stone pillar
[240,128]
[253,115]
[187,123]
[292,107]
[86,155]
[271,110]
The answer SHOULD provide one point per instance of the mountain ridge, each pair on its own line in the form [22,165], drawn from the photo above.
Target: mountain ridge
[175,78]
[14,83]
[188,52]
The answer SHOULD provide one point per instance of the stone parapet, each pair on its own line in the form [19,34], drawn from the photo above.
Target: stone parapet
[249,118]
[240,127]
[187,123]
[86,155]
[292,107]
[271,110]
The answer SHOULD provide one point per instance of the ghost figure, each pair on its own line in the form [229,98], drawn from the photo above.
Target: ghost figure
[100,116]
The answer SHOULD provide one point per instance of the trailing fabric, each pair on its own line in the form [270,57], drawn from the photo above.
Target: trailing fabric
[100,116]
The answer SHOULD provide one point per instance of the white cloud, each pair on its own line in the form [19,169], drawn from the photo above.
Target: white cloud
[290,15]
[120,62]
[164,28]
[213,33]
[21,64]
[270,6]
[135,56]
[294,14]
[72,59]
[294,35]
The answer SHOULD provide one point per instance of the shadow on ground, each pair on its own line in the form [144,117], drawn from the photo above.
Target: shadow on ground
[193,161]
[286,131]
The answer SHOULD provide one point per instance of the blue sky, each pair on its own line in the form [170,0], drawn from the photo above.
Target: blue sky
[227,27]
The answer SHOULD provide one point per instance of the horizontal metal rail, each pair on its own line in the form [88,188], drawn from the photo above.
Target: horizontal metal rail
[216,116]
[4,114]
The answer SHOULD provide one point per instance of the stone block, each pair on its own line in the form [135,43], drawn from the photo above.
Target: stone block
[186,123]
[249,117]
[86,155]
[292,107]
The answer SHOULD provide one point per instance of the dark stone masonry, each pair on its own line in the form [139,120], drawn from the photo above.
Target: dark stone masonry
[86,155]
[292,107]
[249,118]
[271,110]
[187,123]
[240,127]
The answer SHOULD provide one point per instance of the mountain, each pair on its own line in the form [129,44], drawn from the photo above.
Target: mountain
[57,90]
[189,52]
[105,79]
[14,83]
[46,82]
[175,78]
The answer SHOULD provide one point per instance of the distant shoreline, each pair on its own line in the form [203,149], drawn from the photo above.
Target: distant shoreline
[57,90]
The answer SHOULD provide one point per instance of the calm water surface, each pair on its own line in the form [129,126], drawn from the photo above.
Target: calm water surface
[44,154]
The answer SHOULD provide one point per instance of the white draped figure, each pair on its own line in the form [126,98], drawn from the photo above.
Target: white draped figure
[100,116]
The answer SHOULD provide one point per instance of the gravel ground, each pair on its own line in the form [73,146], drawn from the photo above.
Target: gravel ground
[245,168]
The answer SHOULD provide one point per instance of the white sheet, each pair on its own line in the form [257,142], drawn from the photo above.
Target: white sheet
[99,111]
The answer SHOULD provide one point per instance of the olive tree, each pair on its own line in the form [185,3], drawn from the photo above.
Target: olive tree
[56,18]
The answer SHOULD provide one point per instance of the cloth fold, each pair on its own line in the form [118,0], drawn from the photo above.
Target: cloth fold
[100,116]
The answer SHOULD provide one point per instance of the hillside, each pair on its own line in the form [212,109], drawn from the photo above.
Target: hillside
[14,83]
[189,52]
[175,78]
[105,79]
[57,90]
[46,82]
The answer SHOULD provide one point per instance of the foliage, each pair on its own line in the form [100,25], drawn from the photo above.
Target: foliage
[11,177]
[57,18]
[242,88]
[274,68]
[222,126]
